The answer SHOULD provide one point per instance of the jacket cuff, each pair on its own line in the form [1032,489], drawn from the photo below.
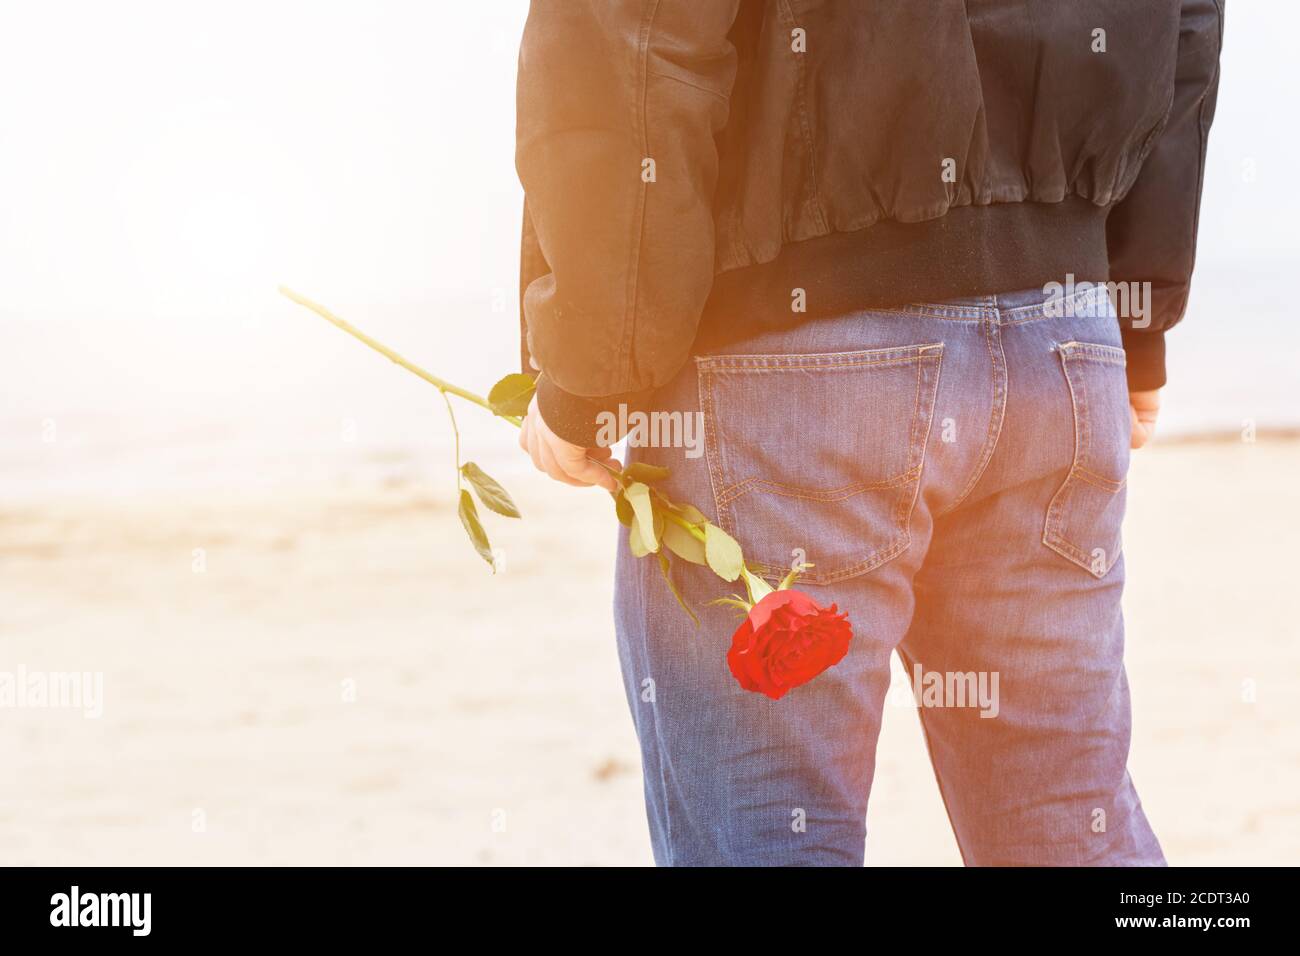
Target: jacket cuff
[589,422]
[1144,359]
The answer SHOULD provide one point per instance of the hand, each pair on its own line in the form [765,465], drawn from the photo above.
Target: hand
[1144,406]
[571,464]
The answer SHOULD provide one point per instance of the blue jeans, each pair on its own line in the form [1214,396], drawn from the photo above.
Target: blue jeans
[956,475]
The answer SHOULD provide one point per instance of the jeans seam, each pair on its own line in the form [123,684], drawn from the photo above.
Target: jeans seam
[909,661]
[1053,536]
[664,804]
[956,313]
[741,363]
[824,366]
[1032,313]
[712,450]
[919,443]
[1092,478]
[1094,351]
[741,488]
[997,413]
[900,543]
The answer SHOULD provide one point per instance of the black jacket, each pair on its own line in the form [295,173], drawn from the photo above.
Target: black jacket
[689,164]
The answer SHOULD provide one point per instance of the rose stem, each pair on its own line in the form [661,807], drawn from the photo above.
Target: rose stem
[451,413]
[681,522]
[441,384]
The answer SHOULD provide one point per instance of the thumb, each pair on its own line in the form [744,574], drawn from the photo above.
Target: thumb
[1138,438]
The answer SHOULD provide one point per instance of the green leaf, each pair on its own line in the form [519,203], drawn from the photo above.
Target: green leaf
[494,497]
[756,586]
[511,395]
[638,496]
[623,508]
[683,544]
[634,542]
[665,569]
[477,536]
[692,514]
[723,553]
[640,471]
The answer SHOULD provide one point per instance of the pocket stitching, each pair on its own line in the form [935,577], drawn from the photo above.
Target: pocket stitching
[1053,538]
[741,488]
[820,360]
[900,543]
[1095,351]
[904,505]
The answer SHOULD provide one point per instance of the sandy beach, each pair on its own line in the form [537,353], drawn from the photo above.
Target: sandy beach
[326,674]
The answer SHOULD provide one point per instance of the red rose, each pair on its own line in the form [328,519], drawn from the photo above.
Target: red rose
[786,640]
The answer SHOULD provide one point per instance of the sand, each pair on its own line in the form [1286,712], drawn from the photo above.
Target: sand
[337,679]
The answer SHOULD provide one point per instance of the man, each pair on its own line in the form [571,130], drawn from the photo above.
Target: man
[913,264]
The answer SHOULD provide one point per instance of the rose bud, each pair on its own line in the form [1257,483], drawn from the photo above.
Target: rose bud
[786,640]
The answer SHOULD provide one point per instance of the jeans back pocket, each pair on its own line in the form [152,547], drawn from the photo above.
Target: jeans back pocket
[818,458]
[1084,517]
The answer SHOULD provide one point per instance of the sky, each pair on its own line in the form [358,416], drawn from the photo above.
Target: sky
[165,166]
[161,151]
[157,152]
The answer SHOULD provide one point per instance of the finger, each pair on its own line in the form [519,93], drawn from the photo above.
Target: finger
[1137,434]
[534,450]
[1148,401]
[590,473]
[562,460]
[523,433]
[562,454]
[605,456]
[554,468]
